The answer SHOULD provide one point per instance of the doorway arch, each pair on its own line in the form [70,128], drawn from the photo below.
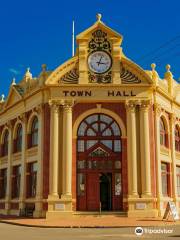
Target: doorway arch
[99,154]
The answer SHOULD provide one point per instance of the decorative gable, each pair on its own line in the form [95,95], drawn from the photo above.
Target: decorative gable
[102,44]
[14,96]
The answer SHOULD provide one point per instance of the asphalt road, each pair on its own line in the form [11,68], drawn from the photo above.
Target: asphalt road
[12,232]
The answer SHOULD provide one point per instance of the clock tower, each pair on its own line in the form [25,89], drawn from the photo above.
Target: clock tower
[99,54]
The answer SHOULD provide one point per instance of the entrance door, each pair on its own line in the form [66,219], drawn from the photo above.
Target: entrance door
[105,191]
[93,192]
[99,164]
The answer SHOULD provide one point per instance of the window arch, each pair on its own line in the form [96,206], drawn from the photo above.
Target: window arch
[34,132]
[99,128]
[5,143]
[177,138]
[163,134]
[18,142]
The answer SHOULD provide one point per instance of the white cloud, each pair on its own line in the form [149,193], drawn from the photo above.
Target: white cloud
[14,71]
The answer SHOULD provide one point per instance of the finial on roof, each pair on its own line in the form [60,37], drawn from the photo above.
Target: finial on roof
[2,98]
[44,67]
[98,16]
[13,81]
[168,75]
[28,73]
[168,67]
[153,66]
[155,76]
[169,78]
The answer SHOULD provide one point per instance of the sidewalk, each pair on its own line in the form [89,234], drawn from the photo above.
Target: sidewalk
[82,221]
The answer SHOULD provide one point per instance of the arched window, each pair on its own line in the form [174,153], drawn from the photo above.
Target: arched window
[5,143]
[163,136]
[34,132]
[177,139]
[19,139]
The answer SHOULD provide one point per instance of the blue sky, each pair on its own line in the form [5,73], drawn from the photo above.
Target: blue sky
[37,32]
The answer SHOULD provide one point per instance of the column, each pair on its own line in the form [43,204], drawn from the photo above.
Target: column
[157,109]
[67,151]
[132,148]
[173,156]
[9,168]
[23,164]
[145,149]
[39,197]
[54,150]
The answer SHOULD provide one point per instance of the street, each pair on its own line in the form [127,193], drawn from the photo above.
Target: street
[13,232]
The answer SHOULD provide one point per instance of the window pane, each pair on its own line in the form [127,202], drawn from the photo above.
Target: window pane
[95,126]
[102,126]
[92,118]
[91,143]
[164,167]
[89,164]
[107,132]
[82,129]
[164,185]
[107,143]
[164,178]
[115,128]
[34,138]
[117,164]
[118,184]
[3,182]
[117,146]
[34,167]
[81,184]
[90,132]
[105,118]
[94,164]
[81,164]
[80,145]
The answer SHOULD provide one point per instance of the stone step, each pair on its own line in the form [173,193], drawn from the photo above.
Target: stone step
[114,213]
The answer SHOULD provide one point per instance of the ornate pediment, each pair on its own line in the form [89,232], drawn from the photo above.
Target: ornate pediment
[99,25]
[99,152]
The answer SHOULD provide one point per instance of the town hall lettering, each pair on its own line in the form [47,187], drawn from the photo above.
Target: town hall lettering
[120,94]
[109,93]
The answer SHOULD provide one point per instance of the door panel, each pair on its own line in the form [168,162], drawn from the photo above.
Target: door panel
[93,191]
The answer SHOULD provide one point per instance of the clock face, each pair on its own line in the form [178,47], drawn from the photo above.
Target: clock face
[99,62]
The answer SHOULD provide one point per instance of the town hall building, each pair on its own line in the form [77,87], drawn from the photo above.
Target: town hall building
[98,133]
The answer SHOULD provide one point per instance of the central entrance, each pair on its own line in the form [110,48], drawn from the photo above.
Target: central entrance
[105,191]
[99,183]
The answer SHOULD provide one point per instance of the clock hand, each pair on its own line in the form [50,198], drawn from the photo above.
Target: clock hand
[103,63]
[99,61]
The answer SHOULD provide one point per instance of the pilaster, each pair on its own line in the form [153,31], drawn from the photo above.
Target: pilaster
[157,111]
[145,149]
[9,168]
[23,163]
[173,156]
[132,149]
[39,198]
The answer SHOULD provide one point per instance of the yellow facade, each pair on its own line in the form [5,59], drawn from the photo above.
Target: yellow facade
[145,96]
